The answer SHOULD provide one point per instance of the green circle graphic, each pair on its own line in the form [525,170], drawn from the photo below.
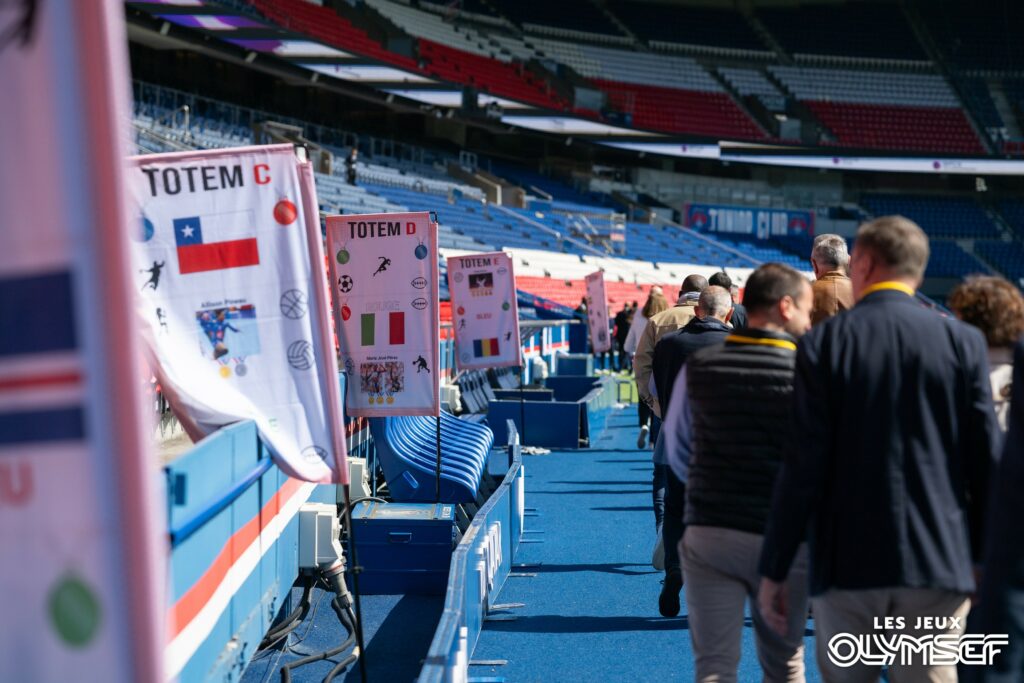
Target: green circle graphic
[342,256]
[74,611]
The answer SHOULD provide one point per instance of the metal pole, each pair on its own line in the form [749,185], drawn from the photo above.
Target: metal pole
[437,489]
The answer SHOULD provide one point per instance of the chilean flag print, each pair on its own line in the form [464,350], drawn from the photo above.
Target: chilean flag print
[195,255]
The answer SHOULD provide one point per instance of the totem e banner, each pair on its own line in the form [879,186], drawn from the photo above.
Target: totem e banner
[82,529]
[383,270]
[233,299]
[597,313]
[485,313]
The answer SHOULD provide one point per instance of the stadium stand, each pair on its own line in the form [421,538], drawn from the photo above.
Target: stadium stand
[979,36]
[556,18]
[883,110]
[939,216]
[868,30]
[1006,256]
[327,25]
[753,82]
[724,29]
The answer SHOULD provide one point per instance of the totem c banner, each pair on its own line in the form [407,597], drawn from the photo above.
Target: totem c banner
[83,545]
[383,270]
[485,313]
[228,265]
[597,313]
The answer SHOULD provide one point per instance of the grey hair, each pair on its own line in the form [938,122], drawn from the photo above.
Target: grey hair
[715,301]
[830,250]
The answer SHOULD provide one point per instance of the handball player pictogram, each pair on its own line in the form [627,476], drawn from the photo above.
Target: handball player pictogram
[154,275]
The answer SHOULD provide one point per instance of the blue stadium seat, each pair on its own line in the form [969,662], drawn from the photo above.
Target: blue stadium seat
[407,452]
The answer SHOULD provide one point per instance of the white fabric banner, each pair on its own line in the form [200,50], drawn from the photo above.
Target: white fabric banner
[236,317]
[597,313]
[82,528]
[485,314]
[384,287]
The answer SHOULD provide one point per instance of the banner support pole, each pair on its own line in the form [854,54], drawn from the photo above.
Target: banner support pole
[437,485]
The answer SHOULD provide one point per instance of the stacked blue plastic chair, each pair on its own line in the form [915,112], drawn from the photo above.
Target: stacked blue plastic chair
[407,452]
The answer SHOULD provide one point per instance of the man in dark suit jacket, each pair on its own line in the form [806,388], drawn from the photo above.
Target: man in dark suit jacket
[893,441]
[1001,609]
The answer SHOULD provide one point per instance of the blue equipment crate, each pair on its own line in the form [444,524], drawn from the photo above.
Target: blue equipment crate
[404,547]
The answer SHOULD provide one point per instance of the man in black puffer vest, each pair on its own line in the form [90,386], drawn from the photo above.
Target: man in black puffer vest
[735,414]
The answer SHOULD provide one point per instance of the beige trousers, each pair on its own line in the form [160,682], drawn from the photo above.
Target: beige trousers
[720,569]
[864,612]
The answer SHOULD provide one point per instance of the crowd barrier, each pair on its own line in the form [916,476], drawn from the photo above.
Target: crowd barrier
[573,413]
[480,565]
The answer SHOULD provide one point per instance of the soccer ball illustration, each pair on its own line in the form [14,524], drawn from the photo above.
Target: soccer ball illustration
[345,283]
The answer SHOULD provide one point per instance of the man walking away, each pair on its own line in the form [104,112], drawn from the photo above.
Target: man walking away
[621,332]
[738,320]
[708,328]
[833,292]
[894,437]
[657,327]
[732,434]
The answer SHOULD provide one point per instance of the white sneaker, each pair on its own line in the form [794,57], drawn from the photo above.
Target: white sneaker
[658,558]
[641,440]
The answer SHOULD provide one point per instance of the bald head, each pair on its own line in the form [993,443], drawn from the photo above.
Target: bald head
[693,283]
[715,302]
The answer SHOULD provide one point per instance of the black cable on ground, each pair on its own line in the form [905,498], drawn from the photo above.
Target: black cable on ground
[345,663]
[354,564]
[291,622]
[286,673]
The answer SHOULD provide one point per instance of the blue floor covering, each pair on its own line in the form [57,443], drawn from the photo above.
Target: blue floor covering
[397,630]
[590,593]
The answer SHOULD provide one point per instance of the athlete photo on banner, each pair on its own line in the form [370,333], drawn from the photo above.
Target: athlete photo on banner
[383,273]
[597,313]
[237,319]
[485,313]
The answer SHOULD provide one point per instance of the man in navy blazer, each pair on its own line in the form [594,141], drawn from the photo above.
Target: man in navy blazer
[893,440]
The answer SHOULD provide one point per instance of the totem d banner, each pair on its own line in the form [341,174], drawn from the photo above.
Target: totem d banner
[597,313]
[384,287]
[485,313]
[82,527]
[234,300]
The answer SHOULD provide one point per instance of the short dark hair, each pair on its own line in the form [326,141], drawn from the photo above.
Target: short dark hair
[721,279]
[694,283]
[899,242]
[769,284]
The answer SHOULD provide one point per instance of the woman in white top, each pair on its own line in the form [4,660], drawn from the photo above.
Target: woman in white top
[656,303]
[995,307]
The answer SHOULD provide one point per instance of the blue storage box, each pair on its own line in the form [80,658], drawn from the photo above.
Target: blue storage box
[404,547]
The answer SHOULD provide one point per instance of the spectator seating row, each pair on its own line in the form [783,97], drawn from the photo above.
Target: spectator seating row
[914,111]
[1008,257]
[949,259]
[752,82]
[327,25]
[512,80]
[681,111]
[951,217]
[433,27]
[407,452]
